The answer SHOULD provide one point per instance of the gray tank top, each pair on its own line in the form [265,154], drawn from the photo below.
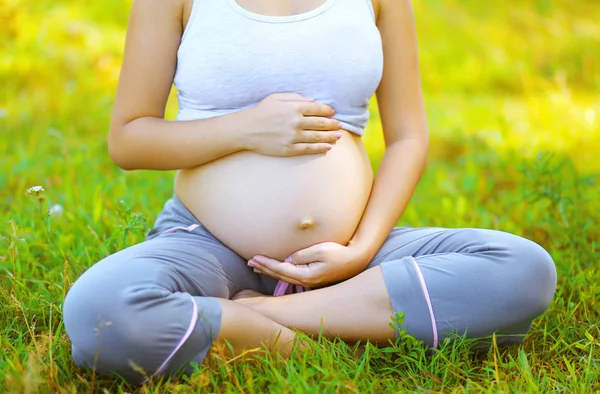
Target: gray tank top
[230,59]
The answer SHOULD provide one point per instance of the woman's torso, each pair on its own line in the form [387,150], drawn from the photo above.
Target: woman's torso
[276,205]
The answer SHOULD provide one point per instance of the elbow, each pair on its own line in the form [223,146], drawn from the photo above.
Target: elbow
[423,146]
[420,145]
[426,151]
[117,149]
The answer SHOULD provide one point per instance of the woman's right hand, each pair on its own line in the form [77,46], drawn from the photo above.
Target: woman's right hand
[289,124]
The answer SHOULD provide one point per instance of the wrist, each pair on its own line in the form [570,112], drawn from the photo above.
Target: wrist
[363,252]
[244,128]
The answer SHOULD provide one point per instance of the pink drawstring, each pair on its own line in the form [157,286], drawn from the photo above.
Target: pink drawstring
[428,301]
[284,288]
[193,321]
[183,340]
[188,229]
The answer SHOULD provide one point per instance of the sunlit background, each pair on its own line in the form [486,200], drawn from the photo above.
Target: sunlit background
[520,76]
[512,96]
[503,82]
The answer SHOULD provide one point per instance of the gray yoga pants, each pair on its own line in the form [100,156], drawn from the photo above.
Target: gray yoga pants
[150,309]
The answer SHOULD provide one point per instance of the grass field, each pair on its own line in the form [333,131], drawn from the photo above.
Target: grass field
[512,94]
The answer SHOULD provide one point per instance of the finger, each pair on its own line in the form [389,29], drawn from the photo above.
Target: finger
[320,123]
[275,275]
[304,148]
[278,270]
[282,268]
[273,265]
[264,260]
[312,254]
[316,109]
[305,275]
[319,136]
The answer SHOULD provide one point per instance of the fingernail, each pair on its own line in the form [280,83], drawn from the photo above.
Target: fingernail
[250,263]
[328,147]
[288,260]
[338,135]
[339,125]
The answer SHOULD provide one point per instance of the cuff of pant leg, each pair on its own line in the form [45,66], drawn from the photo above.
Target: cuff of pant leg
[406,294]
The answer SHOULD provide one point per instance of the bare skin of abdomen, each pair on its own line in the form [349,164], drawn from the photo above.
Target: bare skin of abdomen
[275,206]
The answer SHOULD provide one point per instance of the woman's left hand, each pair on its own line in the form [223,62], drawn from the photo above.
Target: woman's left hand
[315,266]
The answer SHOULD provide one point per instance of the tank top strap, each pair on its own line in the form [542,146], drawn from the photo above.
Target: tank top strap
[206,10]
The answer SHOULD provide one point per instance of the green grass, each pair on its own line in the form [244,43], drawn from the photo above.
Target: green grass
[514,113]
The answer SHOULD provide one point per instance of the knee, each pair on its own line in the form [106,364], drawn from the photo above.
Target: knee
[108,331]
[535,273]
[543,270]
[104,313]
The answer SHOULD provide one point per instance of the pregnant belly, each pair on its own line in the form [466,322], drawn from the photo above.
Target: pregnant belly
[274,206]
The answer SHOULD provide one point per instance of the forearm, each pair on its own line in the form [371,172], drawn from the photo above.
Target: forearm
[397,178]
[158,144]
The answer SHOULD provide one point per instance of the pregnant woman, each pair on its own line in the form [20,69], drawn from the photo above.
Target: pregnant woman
[274,184]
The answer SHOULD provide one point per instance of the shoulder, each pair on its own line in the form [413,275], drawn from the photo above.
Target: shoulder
[381,6]
[165,8]
[396,11]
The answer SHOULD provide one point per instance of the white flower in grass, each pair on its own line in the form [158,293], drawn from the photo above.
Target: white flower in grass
[56,210]
[35,190]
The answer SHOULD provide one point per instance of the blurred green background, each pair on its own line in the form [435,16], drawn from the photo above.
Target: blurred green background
[520,77]
[511,90]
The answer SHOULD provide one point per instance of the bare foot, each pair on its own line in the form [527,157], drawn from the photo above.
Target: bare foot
[244,294]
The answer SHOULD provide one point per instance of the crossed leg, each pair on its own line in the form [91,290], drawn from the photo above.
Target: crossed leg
[159,306]
[472,281]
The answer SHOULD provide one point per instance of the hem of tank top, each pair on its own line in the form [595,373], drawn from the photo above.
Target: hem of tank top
[353,129]
[179,117]
[360,131]
[281,19]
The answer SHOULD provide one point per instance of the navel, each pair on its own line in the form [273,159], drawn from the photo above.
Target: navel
[306,223]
